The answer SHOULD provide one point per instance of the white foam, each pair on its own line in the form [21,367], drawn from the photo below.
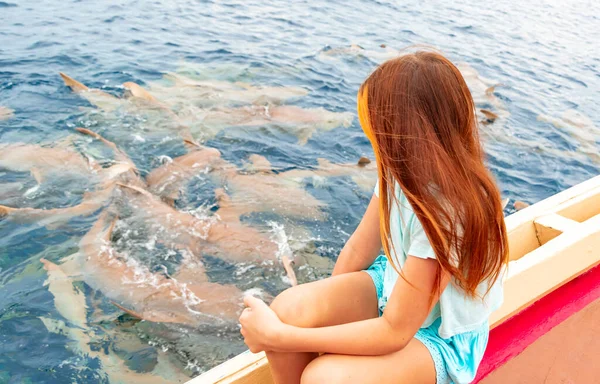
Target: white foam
[319,181]
[281,239]
[205,218]
[179,291]
[168,138]
[242,268]
[169,253]
[255,292]
[193,366]
[31,191]
[164,159]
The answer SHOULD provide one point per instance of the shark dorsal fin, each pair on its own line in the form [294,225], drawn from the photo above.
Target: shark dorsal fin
[75,85]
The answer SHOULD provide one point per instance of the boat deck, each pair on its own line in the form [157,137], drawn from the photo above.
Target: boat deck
[566,354]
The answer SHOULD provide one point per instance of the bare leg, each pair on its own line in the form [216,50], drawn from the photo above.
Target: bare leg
[336,300]
[413,365]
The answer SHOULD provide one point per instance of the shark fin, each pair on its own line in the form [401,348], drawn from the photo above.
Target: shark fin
[75,85]
[139,92]
[190,144]
[128,311]
[136,189]
[37,175]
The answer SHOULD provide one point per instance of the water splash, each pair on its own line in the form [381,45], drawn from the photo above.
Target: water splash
[280,237]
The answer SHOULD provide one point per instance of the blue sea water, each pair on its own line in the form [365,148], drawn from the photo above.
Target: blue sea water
[545,55]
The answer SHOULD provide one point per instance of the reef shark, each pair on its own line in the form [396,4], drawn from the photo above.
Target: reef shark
[71,305]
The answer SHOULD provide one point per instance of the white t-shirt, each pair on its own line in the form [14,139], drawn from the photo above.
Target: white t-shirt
[459,312]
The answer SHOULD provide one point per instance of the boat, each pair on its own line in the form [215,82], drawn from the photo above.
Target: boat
[548,327]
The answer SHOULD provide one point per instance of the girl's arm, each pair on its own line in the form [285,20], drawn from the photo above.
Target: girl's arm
[406,310]
[364,245]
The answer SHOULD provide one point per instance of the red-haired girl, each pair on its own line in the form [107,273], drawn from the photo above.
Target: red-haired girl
[420,313]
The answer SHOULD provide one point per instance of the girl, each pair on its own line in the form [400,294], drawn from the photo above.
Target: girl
[419,314]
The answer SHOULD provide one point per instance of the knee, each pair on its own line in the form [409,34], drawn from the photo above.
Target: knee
[294,307]
[323,370]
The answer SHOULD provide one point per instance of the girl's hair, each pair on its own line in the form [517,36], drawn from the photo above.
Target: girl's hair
[420,117]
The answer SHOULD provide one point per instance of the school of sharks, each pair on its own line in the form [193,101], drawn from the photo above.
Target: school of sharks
[117,193]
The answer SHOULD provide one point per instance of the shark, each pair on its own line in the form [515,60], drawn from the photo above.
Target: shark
[483,92]
[151,296]
[177,89]
[96,97]
[301,122]
[71,306]
[581,128]
[263,191]
[258,188]
[167,180]
[44,162]
[223,236]
[257,107]
[136,100]
[6,113]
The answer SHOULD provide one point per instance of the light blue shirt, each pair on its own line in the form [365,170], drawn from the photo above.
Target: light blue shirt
[459,312]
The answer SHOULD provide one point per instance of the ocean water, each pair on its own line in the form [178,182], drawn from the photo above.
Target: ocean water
[543,58]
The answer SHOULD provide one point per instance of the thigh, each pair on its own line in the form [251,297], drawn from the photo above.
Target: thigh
[336,300]
[413,365]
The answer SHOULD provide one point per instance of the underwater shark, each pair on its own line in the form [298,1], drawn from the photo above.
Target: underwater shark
[581,128]
[490,107]
[167,180]
[5,113]
[177,89]
[257,188]
[50,162]
[150,296]
[70,303]
[96,97]
[222,236]
[206,123]
[301,122]
[42,161]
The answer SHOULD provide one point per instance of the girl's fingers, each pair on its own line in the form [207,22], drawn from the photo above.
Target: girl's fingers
[247,300]
[245,313]
[250,301]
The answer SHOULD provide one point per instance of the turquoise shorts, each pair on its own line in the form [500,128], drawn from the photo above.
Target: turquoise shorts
[456,359]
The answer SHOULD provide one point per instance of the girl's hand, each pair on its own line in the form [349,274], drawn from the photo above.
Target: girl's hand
[261,327]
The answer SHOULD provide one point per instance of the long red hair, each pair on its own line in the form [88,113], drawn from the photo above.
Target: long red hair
[420,117]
